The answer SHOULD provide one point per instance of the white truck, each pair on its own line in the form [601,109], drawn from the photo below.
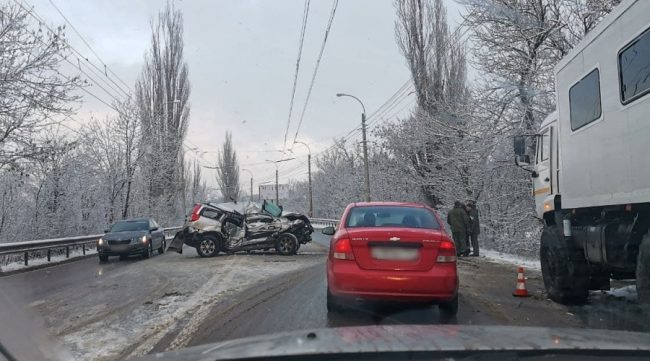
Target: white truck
[591,167]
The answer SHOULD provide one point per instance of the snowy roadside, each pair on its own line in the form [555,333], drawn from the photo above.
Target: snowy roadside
[619,289]
[510,259]
[167,308]
[38,261]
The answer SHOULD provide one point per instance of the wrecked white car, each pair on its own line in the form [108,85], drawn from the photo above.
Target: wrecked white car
[229,228]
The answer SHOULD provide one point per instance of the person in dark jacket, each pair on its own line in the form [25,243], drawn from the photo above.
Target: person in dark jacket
[475,227]
[460,225]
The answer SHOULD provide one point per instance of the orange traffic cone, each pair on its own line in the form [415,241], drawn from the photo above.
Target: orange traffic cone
[521,290]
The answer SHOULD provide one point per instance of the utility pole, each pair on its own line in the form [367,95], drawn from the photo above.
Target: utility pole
[251,173]
[277,198]
[311,192]
[366,177]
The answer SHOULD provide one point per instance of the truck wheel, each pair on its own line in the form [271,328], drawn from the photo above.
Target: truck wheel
[643,271]
[564,269]
[286,244]
[208,247]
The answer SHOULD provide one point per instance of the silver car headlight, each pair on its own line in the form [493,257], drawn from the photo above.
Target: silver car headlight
[143,239]
[102,242]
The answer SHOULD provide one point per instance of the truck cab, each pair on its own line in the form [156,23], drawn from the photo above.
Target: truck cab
[538,154]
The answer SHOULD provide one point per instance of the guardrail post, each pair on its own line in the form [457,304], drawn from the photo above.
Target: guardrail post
[67,251]
[83,248]
[26,257]
[49,254]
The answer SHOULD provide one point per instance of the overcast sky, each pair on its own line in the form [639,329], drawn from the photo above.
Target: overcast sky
[241,56]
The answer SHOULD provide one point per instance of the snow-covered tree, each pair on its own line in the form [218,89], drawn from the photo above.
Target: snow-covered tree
[32,90]
[197,189]
[228,171]
[162,96]
[437,128]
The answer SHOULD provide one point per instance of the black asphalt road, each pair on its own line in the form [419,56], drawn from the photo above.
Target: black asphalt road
[40,283]
[298,302]
[294,300]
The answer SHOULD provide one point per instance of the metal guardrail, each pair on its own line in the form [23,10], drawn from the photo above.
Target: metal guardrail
[67,242]
[324,221]
[57,243]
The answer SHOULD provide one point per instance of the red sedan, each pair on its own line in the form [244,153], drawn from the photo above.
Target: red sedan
[391,251]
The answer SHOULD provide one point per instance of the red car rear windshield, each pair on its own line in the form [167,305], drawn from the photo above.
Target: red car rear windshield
[391,216]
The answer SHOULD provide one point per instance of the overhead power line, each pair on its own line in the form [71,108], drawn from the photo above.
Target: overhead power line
[106,68]
[400,95]
[313,77]
[305,16]
[35,15]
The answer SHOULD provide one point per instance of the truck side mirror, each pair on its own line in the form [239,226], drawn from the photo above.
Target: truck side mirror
[522,160]
[520,145]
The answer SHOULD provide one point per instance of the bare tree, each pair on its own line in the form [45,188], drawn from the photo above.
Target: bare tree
[32,90]
[514,50]
[129,135]
[162,96]
[113,146]
[228,171]
[197,189]
[438,69]
[434,56]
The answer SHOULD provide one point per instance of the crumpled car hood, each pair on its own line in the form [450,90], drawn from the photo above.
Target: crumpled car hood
[376,339]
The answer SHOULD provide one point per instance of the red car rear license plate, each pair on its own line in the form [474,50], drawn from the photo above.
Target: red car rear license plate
[394,253]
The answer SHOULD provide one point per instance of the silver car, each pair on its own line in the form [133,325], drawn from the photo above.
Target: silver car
[229,227]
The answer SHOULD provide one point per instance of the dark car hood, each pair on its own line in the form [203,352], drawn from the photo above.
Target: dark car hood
[117,236]
[377,339]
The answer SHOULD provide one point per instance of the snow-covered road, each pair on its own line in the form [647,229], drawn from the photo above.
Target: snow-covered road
[120,309]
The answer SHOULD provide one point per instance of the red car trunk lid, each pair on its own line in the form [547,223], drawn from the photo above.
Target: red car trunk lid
[373,248]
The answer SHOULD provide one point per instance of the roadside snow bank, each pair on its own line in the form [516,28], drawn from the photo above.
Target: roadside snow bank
[627,292]
[17,262]
[500,257]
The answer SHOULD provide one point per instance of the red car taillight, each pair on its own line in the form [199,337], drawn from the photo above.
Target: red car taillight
[343,249]
[446,252]
[195,213]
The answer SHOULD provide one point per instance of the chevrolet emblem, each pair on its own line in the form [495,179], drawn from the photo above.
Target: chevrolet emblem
[395,239]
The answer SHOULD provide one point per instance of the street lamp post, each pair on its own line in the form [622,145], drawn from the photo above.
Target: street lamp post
[251,173]
[277,195]
[311,194]
[365,145]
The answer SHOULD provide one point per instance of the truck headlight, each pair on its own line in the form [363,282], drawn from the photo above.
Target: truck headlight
[101,242]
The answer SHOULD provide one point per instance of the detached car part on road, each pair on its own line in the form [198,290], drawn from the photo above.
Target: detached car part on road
[228,227]
[138,236]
